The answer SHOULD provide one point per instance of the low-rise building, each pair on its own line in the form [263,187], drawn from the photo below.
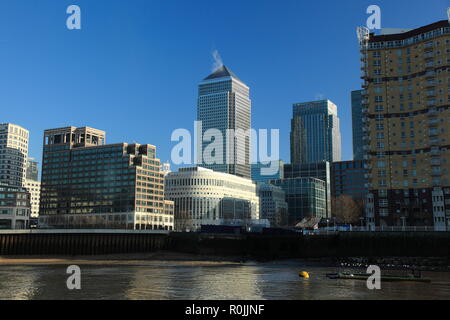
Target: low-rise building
[306,198]
[206,197]
[14,207]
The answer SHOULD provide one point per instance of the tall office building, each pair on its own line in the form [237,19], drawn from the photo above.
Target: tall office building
[13,154]
[89,184]
[357,125]
[407,130]
[315,133]
[224,104]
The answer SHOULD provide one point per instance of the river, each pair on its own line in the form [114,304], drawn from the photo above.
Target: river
[200,280]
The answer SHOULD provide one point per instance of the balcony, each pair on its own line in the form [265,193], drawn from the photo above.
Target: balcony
[431,94]
[436,162]
[433,122]
[430,74]
[429,65]
[428,47]
[429,55]
[430,84]
[432,113]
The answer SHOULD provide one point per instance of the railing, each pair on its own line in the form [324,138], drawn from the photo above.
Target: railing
[398,229]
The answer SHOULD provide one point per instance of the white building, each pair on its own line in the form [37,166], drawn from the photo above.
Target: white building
[34,188]
[206,197]
[13,154]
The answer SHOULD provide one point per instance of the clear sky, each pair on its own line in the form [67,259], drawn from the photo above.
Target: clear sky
[134,68]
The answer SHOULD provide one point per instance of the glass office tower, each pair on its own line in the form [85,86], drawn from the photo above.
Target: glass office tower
[223,104]
[315,133]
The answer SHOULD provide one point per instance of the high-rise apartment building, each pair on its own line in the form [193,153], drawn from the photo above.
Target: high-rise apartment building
[224,104]
[89,184]
[13,154]
[406,107]
[357,125]
[315,132]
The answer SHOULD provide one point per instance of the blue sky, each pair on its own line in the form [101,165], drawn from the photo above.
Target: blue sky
[134,68]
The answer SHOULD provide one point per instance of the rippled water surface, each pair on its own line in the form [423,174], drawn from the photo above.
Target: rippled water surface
[183,280]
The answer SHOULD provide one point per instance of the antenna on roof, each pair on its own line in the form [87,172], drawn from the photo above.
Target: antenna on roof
[448,14]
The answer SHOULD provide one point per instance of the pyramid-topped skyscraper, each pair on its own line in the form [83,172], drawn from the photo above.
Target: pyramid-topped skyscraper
[223,104]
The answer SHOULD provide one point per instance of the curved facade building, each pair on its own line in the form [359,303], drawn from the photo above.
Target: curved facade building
[206,197]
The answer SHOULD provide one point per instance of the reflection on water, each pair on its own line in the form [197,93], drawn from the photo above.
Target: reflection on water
[174,280]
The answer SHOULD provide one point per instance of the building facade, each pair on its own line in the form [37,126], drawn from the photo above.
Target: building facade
[406,114]
[13,154]
[258,174]
[350,178]
[14,208]
[273,205]
[315,133]
[357,125]
[206,197]
[306,198]
[34,188]
[321,170]
[89,184]
[32,170]
[224,104]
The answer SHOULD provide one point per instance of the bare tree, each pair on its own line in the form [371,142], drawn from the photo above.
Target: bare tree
[346,209]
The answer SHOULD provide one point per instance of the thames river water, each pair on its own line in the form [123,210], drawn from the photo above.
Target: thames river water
[197,280]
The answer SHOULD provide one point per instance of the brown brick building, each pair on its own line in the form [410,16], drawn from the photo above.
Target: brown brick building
[406,125]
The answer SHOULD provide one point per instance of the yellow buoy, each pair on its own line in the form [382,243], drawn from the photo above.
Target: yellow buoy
[304,275]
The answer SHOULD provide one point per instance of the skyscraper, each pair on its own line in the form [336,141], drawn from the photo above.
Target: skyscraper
[406,132]
[13,154]
[357,125]
[315,133]
[224,104]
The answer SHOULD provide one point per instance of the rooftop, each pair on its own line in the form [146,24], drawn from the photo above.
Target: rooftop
[221,72]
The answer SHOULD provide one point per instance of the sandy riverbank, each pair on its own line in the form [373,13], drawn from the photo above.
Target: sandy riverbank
[118,259]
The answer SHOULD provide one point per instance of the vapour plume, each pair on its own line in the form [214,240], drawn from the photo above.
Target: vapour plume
[218,63]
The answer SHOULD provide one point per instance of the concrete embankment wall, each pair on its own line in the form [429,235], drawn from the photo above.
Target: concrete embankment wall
[81,242]
[341,245]
[400,244]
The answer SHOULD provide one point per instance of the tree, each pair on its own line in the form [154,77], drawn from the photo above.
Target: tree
[346,209]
